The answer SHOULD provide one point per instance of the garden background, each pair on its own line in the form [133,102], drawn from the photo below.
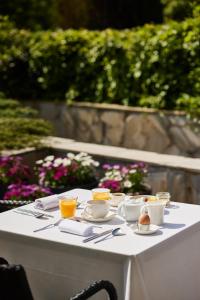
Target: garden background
[43,57]
[131,53]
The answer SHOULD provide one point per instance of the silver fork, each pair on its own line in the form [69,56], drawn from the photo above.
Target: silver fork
[38,216]
[48,226]
[35,213]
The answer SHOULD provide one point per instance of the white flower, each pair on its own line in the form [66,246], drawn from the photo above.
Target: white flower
[49,158]
[58,162]
[70,155]
[95,163]
[66,162]
[86,163]
[81,156]
[132,171]
[127,183]
[118,178]
[39,162]
[47,164]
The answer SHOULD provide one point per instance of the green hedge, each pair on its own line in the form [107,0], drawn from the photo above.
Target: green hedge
[159,61]
[19,127]
[179,9]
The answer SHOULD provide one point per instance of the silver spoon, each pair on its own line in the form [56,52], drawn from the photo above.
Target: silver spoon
[115,232]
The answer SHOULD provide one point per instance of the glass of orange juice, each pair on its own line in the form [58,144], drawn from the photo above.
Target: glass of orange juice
[101,194]
[67,205]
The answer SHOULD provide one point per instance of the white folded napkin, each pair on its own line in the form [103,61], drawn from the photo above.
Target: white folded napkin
[53,200]
[47,202]
[76,227]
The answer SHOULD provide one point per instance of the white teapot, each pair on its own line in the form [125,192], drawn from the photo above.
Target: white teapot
[130,208]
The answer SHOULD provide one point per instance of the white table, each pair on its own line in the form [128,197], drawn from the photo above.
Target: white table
[164,266]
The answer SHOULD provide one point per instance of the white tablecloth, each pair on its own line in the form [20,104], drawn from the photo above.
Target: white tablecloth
[164,266]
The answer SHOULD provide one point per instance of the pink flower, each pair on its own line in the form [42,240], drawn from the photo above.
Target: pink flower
[113,185]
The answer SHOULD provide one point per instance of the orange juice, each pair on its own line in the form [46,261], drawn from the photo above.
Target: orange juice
[101,194]
[67,207]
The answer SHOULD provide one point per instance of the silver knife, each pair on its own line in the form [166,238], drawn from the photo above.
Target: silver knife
[97,235]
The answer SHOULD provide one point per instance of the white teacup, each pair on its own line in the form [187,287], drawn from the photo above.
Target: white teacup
[130,209]
[155,211]
[116,198]
[97,208]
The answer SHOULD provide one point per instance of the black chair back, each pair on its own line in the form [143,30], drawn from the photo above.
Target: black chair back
[13,282]
[14,285]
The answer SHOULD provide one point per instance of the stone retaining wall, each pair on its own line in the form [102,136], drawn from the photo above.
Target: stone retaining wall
[134,128]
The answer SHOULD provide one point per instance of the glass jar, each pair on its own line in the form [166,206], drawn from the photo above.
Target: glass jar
[164,197]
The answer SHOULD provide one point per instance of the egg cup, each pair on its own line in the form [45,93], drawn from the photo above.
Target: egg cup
[143,227]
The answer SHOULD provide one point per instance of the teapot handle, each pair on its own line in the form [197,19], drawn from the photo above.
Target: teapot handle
[120,209]
[144,209]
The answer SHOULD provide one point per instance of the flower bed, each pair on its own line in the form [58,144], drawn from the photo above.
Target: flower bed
[68,171]
[59,174]
[127,179]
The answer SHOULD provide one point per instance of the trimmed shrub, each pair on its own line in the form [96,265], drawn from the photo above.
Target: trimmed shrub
[18,126]
[109,66]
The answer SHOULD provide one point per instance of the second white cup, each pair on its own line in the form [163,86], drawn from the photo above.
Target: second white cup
[155,211]
[97,208]
[116,198]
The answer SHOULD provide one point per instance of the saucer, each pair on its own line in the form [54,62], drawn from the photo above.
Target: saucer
[108,217]
[153,229]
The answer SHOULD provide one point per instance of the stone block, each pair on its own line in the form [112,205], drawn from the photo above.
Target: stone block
[178,189]
[174,150]
[156,136]
[113,124]
[97,130]
[193,139]
[179,139]
[68,123]
[133,135]
[85,119]
[158,181]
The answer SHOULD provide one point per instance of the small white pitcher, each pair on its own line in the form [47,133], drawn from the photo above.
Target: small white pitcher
[155,212]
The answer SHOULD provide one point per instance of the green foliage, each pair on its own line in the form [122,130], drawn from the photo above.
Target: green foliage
[19,133]
[18,126]
[12,108]
[157,62]
[31,14]
[152,102]
[179,9]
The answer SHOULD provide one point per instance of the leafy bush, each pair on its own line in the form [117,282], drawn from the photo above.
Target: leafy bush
[19,133]
[31,14]
[18,126]
[160,62]
[12,108]
[179,9]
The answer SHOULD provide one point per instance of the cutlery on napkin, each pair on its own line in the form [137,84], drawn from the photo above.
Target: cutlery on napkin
[97,235]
